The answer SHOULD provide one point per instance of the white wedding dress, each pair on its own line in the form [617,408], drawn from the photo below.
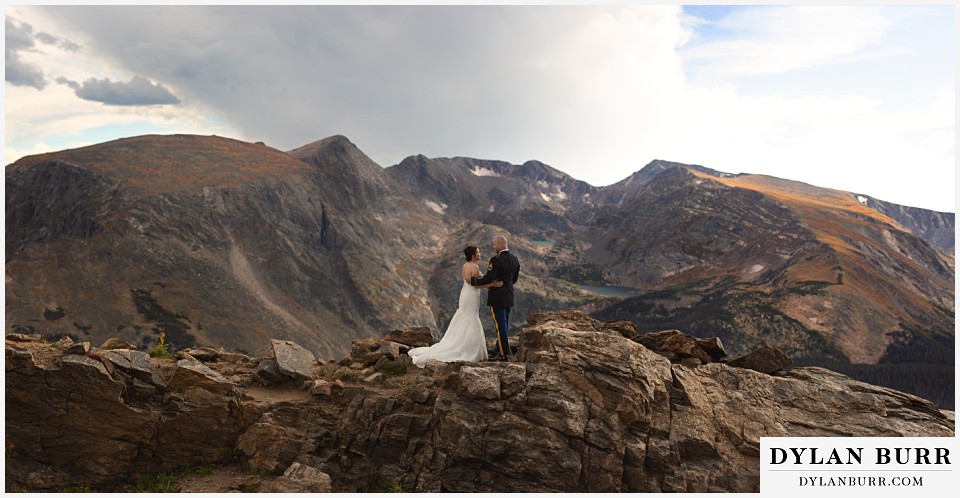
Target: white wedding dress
[463,340]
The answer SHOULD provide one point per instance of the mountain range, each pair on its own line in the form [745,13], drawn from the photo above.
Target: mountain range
[219,242]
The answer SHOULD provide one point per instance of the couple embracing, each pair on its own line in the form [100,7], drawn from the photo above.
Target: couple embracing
[463,340]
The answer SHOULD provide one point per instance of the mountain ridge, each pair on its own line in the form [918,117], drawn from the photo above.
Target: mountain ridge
[323,245]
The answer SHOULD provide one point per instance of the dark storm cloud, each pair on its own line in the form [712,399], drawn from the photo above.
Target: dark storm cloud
[19,36]
[138,91]
[20,73]
[397,80]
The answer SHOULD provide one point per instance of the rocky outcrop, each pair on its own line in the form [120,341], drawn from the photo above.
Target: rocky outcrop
[583,409]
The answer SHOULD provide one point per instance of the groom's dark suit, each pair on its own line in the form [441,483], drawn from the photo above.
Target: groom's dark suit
[504,267]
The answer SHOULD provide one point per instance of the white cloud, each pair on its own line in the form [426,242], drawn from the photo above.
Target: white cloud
[848,143]
[779,39]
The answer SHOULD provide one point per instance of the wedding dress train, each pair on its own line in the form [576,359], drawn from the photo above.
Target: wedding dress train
[463,340]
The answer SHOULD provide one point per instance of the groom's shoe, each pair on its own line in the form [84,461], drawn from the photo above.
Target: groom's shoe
[499,358]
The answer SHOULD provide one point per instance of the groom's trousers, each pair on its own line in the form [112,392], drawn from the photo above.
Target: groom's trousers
[501,319]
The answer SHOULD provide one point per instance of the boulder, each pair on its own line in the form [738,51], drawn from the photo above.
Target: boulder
[299,478]
[367,351]
[766,359]
[203,354]
[675,346]
[64,342]
[393,350]
[319,387]
[78,348]
[193,374]
[183,355]
[293,360]
[625,327]
[713,347]
[413,337]
[134,363]
[268,372]
[115,343]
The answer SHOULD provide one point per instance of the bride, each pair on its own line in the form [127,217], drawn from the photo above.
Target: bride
[463,340]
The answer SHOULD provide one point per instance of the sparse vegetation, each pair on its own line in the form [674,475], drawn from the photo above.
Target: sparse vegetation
[812,287]
[162,482]
[56,336]
[392,369]
[198,470]
[20,329]
[395,486]
[161,350]
[54,314]
[249,488]
[74,489]
[166,482]
[346,375]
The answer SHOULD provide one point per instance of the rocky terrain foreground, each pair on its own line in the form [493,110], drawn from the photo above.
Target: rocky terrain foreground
[584,406]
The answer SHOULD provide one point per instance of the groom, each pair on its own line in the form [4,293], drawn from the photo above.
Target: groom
[503,267]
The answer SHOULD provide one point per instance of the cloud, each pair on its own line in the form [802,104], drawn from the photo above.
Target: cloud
[68,82]
[63,43]
[138,91]
[19,36]
[767,40]
[21,73]
[595,91]
[291,75]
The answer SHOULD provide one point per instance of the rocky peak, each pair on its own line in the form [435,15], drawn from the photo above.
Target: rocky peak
[625,190]
[335,144]
[360,182]
[585,408]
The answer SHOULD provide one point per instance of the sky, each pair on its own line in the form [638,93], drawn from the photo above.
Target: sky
[858,98]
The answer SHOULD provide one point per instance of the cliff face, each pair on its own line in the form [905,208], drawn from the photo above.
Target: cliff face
[584,408]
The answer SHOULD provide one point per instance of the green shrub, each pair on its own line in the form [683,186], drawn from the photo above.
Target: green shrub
[161,350]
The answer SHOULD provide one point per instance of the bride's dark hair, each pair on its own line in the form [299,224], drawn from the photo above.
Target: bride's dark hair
[469,252]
